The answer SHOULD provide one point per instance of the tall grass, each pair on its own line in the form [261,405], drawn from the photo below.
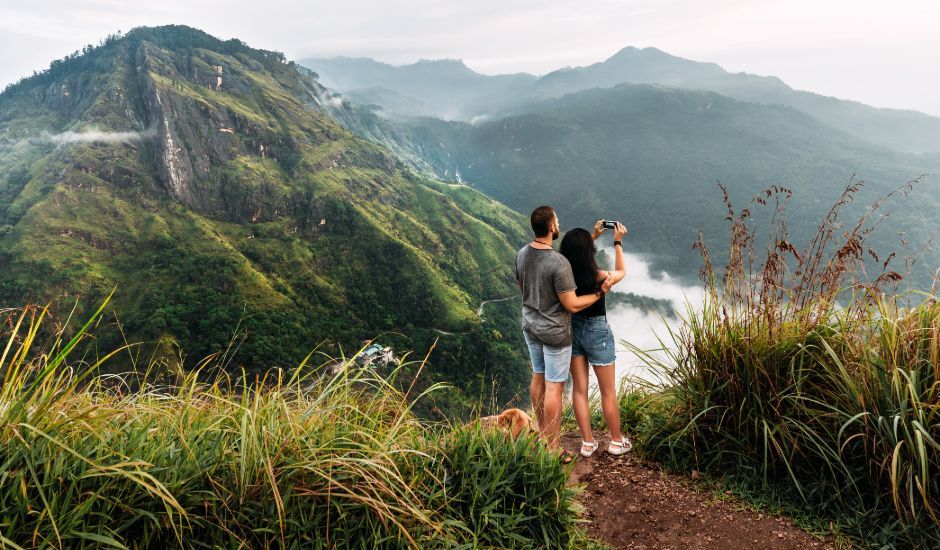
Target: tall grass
[286,460]
[803,369]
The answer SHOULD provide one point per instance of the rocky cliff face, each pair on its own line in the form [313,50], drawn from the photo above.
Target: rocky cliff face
[192,136]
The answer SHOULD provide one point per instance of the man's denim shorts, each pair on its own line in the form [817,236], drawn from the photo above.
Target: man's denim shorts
[593,339]
[553,362]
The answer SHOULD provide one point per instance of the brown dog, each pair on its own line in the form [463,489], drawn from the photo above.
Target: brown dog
[511,421]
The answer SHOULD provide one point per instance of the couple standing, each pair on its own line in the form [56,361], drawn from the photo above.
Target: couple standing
[565,327]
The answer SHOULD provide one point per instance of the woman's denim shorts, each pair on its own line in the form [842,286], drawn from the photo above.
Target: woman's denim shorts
[593,339]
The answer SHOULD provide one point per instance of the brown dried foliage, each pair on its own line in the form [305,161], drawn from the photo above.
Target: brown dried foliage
[784,279]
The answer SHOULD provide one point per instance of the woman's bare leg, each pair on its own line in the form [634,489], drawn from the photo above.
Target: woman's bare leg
[607,383]
[579,396]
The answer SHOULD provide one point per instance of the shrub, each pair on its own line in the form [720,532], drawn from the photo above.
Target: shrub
[510,493]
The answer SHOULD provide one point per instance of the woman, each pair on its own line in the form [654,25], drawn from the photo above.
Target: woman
[593,341]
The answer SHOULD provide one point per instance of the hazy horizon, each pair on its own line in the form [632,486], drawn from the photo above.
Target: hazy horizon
[850,50]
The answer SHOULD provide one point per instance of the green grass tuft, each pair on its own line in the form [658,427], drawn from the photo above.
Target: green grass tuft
[289,460]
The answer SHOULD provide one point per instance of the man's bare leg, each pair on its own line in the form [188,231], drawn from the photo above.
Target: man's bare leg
[537,395]
[554,392]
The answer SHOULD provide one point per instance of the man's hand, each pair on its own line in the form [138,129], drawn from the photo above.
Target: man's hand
[598,229]
[620,231]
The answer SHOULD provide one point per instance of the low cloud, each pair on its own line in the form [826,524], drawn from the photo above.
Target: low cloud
[335,101]
[644,329]
[328,99]
[640,280]
[96,136]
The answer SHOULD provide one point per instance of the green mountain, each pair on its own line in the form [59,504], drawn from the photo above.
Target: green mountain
[650,156]
[449,92]
[205,180]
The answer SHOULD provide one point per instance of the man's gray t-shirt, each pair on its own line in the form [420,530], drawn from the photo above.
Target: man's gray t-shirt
[542,274]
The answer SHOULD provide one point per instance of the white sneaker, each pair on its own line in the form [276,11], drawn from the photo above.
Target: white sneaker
[621,447]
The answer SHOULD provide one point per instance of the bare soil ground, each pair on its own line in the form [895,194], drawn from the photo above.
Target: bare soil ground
[632,504]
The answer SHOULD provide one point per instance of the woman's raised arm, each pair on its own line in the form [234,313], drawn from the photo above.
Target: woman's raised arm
[620,270]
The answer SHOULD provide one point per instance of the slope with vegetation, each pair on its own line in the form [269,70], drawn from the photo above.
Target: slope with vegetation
[204,179]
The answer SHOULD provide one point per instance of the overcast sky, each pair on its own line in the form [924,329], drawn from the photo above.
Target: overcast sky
[882,53]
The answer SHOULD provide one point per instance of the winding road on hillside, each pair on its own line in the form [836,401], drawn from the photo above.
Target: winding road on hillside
[479,314]
[484,302]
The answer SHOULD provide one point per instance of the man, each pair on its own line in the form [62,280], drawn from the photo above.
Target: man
[548,300]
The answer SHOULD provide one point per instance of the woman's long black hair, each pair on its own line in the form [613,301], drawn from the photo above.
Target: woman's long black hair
[578,247]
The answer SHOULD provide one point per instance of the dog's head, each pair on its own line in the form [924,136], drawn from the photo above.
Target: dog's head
[511,421]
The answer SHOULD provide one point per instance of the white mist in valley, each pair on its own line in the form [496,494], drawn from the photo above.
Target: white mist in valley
[94,135]
[640,328]
[24,139]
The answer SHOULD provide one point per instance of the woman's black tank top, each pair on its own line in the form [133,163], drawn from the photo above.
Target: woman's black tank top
[598,308]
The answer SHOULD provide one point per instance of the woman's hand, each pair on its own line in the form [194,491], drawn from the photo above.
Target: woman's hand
[598,229]
[607,283]
[619,232]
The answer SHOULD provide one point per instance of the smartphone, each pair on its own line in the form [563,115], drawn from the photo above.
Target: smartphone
[606,224]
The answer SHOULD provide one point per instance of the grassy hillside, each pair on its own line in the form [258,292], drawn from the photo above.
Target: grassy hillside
[204,180]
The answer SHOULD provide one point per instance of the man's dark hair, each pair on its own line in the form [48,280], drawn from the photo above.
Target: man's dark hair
[542,218]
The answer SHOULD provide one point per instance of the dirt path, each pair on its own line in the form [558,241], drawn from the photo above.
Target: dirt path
[635,505]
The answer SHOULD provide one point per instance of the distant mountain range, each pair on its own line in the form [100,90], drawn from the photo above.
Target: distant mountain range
[595,144]
[206,181]
[449,90]
[445,89]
